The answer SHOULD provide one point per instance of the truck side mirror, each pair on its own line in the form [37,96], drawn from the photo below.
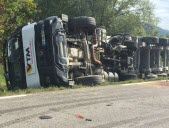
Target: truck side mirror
[64,18]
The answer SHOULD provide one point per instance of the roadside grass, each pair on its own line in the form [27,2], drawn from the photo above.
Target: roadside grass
[5,92]
[2,80]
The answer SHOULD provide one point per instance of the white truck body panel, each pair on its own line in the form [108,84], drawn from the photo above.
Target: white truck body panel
[31,71]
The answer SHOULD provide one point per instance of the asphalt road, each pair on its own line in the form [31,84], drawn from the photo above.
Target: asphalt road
[144,105]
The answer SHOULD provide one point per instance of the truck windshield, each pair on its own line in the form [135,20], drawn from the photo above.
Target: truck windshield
[15,63]
[13,50]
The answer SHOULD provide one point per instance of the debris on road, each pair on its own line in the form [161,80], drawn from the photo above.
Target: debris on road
[45,117]
[79,116]
[88,120]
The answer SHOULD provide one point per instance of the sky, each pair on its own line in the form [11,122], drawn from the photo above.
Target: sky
[162,11]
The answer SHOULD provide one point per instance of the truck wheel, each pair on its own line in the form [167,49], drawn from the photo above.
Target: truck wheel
[106,77]
[131,45]
[127,76]
[162,75]
[89,80]
[150,40]
[116,77]
[86,24]
[111,77]
[163,41]
[151,76]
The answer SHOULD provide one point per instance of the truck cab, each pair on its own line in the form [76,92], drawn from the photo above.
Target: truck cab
[35,55]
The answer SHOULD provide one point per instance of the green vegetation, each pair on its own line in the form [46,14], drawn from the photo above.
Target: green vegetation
[2,80]
[117,16]
[14,13]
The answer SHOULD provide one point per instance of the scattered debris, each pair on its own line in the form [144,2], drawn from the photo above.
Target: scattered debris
[88,119]
[79,116]
[110,104]
[45,117]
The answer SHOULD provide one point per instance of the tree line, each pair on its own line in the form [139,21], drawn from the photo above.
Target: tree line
[117,16]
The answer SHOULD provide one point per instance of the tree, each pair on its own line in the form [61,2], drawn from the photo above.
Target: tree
[15,13]
[145,12]
[2,11]
[54,7]
[117,16]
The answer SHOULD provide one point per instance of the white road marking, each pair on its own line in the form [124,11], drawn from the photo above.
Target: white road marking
[10,97]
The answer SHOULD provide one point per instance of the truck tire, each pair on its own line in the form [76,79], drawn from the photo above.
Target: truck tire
[163,41]
[116,77]
[151,76]
[150,40]
[111,77]
[127,76]
[86,24]
[106,77]
[89,80]
[162,75]
[131,45]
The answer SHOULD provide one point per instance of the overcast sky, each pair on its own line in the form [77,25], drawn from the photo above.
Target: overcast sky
[162,11]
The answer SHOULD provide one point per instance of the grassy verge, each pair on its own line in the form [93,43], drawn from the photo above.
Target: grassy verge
[5,92]
[2,80]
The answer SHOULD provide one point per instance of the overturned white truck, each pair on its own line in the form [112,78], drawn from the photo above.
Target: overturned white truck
[53,51]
